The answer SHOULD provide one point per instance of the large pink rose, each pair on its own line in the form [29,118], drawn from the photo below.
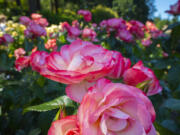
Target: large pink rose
[138,74]
[115,109]
[76,62]
[65,126]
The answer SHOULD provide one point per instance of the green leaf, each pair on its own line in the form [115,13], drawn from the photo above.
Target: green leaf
[172,104]
[54,104]
[36,131]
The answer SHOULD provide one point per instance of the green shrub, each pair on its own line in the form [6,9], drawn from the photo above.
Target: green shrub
[100,13]
[63,15]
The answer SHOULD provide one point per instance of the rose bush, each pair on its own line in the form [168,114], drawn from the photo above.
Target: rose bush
[71,59]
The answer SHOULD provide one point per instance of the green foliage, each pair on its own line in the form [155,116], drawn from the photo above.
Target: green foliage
[132,9]
[59,102]
[64,15]
[100,13]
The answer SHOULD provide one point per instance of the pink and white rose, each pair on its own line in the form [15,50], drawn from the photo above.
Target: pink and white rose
[115,109]
[138,74]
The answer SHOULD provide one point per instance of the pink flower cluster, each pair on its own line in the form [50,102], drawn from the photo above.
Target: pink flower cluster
[105,107]
[35,27]
[132,30]
[126,31]
[51,44]
[174,9]
[75,32]
[5,39]
[109,109]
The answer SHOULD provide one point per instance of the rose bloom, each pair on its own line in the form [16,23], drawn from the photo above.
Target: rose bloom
[75,23]
[116,23]
[42,22]
[115,109]
[120,66]
[136,28]
[19,52]
[125,35]
[86,14]
[103,24]
[22,62]
[25,20]
[174,9]
[34,30]
[138,74]
[65,126]
[80,61]
[151,26]
[51,44]
[37,60]
[89,33]
[35,16]
[146,42]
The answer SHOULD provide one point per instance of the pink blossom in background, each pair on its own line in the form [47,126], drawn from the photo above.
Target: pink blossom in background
[116,23]
[37,60]
[115,109]
[34,30]
[65,126]
[120,66]
[75,23]
[125,35]
[151,26]
[103,24]
[22,62]
[89,33]
[136,28]
[51,44]
[73,32]
[174,9]
[19,52]
[25,20]
[35,16]
[165,55]
[146,42]
[138,74]
[86,14]
[42,22]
